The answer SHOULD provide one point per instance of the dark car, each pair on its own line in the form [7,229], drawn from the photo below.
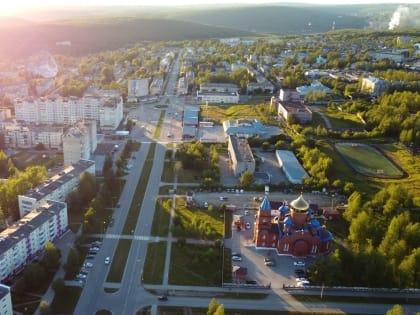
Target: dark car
[163,298]
[299,272]
[251,282]
[90,257]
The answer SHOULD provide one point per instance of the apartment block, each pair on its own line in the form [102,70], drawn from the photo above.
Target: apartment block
[240,155]
[57,187]
[25,240]
[79,142]
[28,136]
[5,300]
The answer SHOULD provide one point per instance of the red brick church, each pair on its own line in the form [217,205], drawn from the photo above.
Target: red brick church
[292,230]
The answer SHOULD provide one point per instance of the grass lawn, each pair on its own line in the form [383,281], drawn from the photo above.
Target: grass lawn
[168,174]
[343,120]
[118,261]
[159,125]
[164,190]
[197,222]
[133,213]
[219,113]
[198,265]
[365,159]
[317,120]
[66,302]
[155,263]
[160,225]
[187,176]
[24,159]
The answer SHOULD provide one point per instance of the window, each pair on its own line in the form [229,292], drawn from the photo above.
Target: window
[286,247]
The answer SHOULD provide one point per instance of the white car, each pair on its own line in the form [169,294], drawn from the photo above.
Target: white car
[299,263]
[81,276]
[302,283]
[88,265]
[107,260]
[236,258]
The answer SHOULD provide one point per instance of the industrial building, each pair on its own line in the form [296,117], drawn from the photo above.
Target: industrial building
[291,167]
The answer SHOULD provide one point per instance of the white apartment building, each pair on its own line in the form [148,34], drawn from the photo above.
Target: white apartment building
[25,240]
[138,88]
[20,136]
[107,109]
[240,155]
[57,187]
[79,142]
[156,87]
[5,300]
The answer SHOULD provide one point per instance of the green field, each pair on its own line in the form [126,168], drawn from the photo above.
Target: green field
[367,160]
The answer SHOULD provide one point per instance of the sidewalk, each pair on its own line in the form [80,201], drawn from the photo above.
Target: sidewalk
[63,244]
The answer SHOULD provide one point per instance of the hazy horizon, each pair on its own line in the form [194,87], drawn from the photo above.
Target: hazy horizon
[20,6]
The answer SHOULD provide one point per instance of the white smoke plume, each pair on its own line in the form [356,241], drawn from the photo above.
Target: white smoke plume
[396,17]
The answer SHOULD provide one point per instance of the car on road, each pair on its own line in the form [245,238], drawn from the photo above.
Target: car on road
[236,258]
[246,212]
[302,283]
[96,243]
[87,265]
[236,254]
[299,263]
[163,298]
[247,225]
[300,272]
[90,256]
[83,272]
[270,263]
[81,276]
[107,260]
[94,249]
[223,198]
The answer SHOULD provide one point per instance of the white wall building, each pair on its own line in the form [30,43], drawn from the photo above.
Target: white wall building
[25,240]
[107,109]
[138,87]
[291,167]
[241,155]
[56,187]
[5,300]
[156,87]
[20,136]
[79,142]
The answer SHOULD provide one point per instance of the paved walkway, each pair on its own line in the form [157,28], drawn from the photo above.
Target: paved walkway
[64,244]
[326,120]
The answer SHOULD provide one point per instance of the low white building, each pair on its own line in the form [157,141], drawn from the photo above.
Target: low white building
[291,167]
[57,187]
[5,300]
[240,155]
[25,240]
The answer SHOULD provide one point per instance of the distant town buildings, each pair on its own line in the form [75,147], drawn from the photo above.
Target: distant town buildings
[374,86]
[25,240]
[240,155]
[57,187]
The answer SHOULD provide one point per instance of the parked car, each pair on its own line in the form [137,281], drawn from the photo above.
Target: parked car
[266,259]
[163,298]
[94,249]
[302,283]
[83,272]
[90,256]
[299,263]
[300,272]
[251,282]
[87,265]
[107,260]
[270,263]
[96,243]
[236,258]
[223,198]
[81,276]
[236,254]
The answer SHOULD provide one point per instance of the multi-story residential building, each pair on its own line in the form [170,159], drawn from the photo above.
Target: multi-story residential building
[218,93]
[288,106]
[57,187]
[374,86]
[25,240]
[21,136]
[156,87]
[240,155]
[183,86]
[5,113]
[138,88]
[79,142]
[5,300]
[105,108]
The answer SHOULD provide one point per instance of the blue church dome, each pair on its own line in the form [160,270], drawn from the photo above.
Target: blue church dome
[288,221]
[315,224]
[265,204]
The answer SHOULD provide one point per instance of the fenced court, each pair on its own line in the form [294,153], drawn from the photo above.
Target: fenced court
[368,160]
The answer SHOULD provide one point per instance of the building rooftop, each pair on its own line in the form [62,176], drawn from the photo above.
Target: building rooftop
[60,178]
[241,149]
[16,232]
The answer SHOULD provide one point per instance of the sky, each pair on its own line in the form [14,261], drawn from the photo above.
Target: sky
[10,7]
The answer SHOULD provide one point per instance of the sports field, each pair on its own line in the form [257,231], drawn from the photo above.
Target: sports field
[367,160]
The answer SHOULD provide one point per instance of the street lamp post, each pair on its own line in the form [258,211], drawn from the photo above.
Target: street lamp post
[332,202]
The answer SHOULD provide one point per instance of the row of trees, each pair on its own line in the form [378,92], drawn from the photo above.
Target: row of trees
[390,249]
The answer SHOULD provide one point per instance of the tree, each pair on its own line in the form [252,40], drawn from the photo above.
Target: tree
[45,308]
[87,187]
[396,310]
[353,206]
[247,179]
[33,275]
[213,306]
[73,262]
[58,286]
[51,257]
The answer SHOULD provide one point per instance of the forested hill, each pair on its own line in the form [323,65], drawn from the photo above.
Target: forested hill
[278,19]
[94,35]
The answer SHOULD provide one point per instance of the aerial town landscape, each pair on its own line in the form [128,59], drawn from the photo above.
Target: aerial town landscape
[195,160]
